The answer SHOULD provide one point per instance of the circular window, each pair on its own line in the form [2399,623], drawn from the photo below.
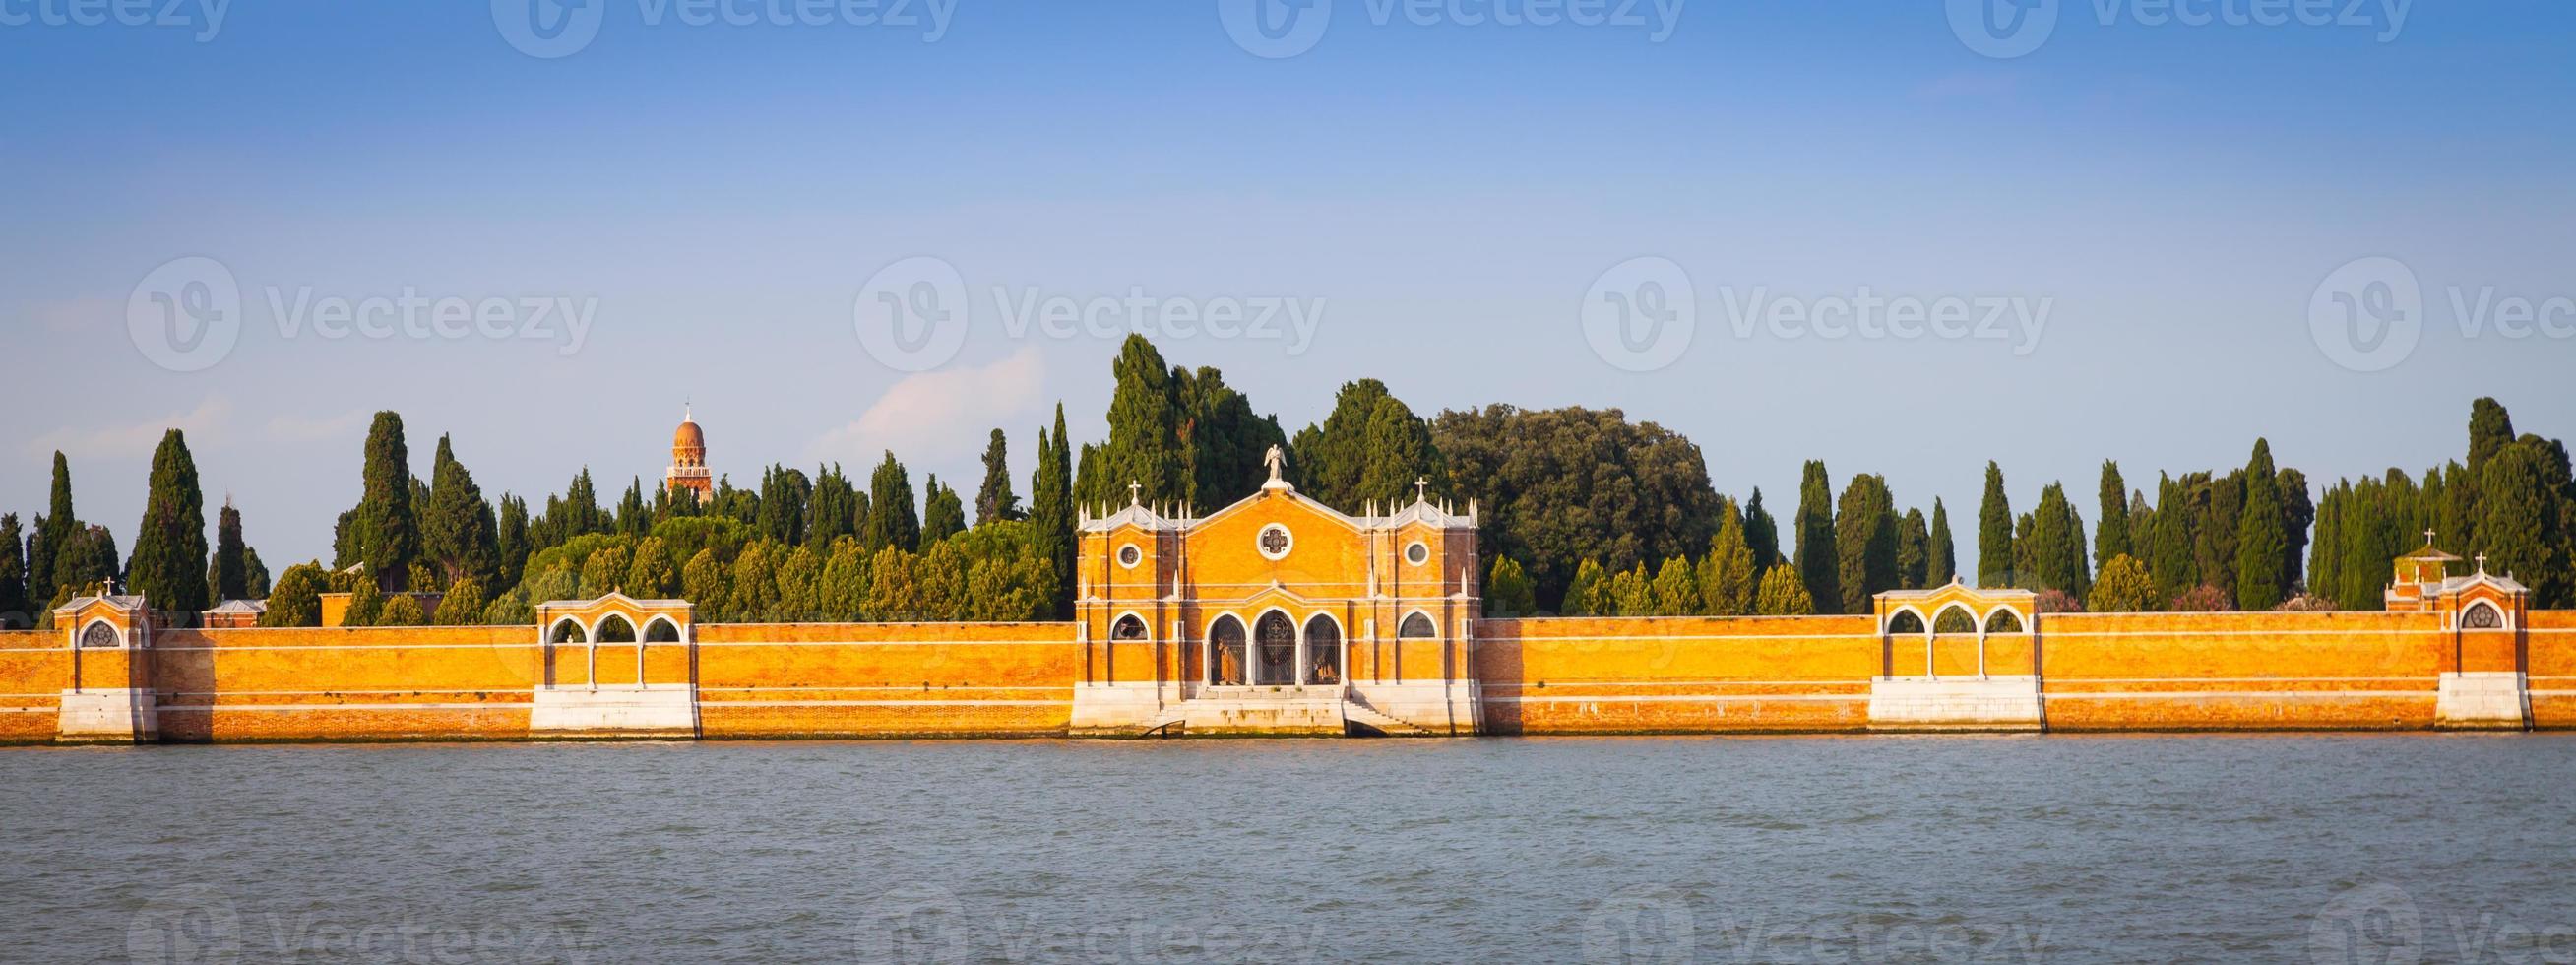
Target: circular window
[1129,556]
[1275,541]
[1417,554]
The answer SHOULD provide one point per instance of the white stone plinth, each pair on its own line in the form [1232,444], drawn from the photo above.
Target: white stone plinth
[93,716]
[2495,700]
[657,711]
[1955,704]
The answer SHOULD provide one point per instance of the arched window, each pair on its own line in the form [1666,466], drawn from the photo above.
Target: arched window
[615,629]
[2004,621]
[1417,627]
[1955,619]
[2482,615]
[101,635]
[1225,653]
[1907,623]
[1323,652]
[1128,628]
[567,630]
[661,630]
[1275,650]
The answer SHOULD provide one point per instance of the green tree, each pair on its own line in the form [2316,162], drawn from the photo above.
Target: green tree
[463,605]
[1564,485]
[1945,551]
[1819,559]
[706,583]
[2262,541]
[2490,431]
[366,604]
[891,518]
[1508,592]
[800,586]
[1587,595]
[834,509]
[995,501]
[1866,543]
[1783,594]
[1632,593]
[1913,551]
[458,534]
[1222,437]
[2054,553]
[844,594]
[652,575]
[1051,515]
[2111,531]
[2522,516]
[510,539]
[510,609]
[2124,587]
[755,585]
[1728,576]
[942,515]
[2171,558]
[385,533]
[402,610]
[1761,533]
[16,611]
[296,601]
[1371,449]
[1995,559]
[1144,444]
[169,564]
[1676,589]
[605,571]
[229,578]
[783,493]
[49,555]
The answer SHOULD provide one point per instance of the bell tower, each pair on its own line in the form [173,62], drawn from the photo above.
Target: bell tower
[689,459]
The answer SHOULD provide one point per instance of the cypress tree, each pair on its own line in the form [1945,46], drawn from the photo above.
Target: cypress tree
[1508,592]
[1222,438]
[2111,536]
[1783,595]
[942,514]
[1865,543]
[1144,431]
[783,493]
[1945,550]
[2262,542]
[634,515]
[1761,533]
[457,530]
[1586,595]
[2490,430]
[995,501]
[1676,589]
[1728,577]
[169,564]
[2172,562]
[1995,561]
[510,540]
[832,510]
[1371,448]
[386,533]
[16,613]
[892,520]
[2522,520]
[2298,513]
[1051,514]
[49,559]
[1913,552]
[231,579]
[1819,568]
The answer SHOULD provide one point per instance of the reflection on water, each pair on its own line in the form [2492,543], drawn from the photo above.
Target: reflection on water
[2298,848]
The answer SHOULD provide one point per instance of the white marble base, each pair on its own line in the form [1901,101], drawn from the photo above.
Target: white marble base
[93,716]
[1435,709]
[2496,700]
[657,711]
[1955,704]
[1118,709]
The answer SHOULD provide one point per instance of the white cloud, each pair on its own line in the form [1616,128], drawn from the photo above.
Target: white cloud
[204,424]
[298,428]
[938,417]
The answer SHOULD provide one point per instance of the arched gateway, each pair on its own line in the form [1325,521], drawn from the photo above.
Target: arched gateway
[1277,615]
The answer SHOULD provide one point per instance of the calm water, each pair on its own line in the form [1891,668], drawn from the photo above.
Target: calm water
[2301,849]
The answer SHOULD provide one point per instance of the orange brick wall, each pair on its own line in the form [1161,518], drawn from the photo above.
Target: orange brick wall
[2551,645]
[35,669]
[2240,671]
[887,680]
[390,683]
[1676,675]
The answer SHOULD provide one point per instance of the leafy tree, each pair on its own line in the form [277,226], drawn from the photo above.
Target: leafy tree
[296,601]
[844,592]
[1945,551]
[1866,542]
[1371,449]
[994,501]
[402,610]
[2203,599]
[2124,587]
[2490,431]
[835,509]
[755,584]
[1508,592]
[1728,576]
[463,606]
[634,516]
[1819,558]
[1144,444]
[783,493]
[2111,529]
[169,564]
[1783,594]
[1585,597]
[1564,485]
[2522,516]
[510,609]
[942,515]
[1995,558]
[891,518]
[1632,593]
[366,604]
[385,534]
[652,575]
[1676,589]
[1222,438]
[1761,533]
[458,534]
[605,571]
[800,586]
[2298,515]
[705,582]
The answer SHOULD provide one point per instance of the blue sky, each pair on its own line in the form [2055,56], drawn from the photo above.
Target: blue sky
[1446,197]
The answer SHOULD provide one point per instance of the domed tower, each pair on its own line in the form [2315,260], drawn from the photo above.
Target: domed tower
[689,460]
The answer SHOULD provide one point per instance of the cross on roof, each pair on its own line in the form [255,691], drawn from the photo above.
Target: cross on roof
[1421,488]
[2482,563]
[1133,491]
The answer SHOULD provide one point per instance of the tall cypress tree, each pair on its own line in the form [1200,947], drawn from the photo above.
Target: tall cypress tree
[386,532]
[50,560]
[1761,534]
[1865,543]
[2171,560]
[231,575]
[1913,551]
[2490,430]
[510,539]
[2262,542]
[994,501]
[457,529]
[1144,431]
[2522,520]
[169,565]
[2111,536]
[1995,533]
[2053,557]
[833,509]
[1819,567]
[1051,514]
[892,520]
[1945,550]
[942,514]
[16,613]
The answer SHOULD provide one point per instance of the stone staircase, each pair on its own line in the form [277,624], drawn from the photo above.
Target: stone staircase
[1354,712]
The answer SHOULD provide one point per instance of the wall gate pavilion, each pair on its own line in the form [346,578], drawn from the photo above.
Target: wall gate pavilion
[616,666]
[1277,615]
